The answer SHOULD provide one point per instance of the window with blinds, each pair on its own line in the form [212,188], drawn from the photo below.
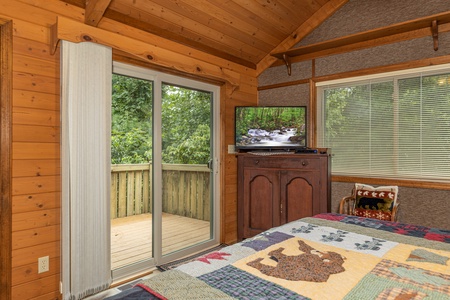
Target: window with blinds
[394,125]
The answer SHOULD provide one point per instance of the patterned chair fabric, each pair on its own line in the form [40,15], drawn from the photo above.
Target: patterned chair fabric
[371,202]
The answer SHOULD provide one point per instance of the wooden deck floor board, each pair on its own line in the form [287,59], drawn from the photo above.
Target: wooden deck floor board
[131,239]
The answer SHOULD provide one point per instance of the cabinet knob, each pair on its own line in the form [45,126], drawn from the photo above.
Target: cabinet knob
[305,163]
[256,161]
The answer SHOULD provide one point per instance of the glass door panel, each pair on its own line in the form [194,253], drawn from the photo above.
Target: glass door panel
[186,167]
[131,172]
[163,205]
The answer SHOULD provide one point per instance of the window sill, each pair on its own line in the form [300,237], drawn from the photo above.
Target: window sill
[438,185]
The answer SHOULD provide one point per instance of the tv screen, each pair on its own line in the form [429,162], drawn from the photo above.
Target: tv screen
[267,128]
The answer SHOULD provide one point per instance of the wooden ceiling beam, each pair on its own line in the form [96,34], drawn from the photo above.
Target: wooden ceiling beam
[95,9]
[381,36]
[303,30]
[72,31]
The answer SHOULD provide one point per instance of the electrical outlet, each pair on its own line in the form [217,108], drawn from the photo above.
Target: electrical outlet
[43,264]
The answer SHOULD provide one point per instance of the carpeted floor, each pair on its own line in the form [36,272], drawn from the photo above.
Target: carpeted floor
[114,291]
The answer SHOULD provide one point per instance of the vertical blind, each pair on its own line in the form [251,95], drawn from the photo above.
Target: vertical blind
[85,154]
[389,127]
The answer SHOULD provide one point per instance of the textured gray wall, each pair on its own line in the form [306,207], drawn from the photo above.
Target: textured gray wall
[362,15]
[427,207]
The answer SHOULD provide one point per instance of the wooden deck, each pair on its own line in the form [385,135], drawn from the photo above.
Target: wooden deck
[131,237]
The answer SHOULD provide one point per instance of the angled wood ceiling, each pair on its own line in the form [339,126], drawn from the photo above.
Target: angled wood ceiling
[241,31]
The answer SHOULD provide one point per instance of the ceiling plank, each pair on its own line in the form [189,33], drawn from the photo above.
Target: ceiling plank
[220,20]
[250,17]
[303,30]
[187,30]
[207,48]
[268,14]
[95,9]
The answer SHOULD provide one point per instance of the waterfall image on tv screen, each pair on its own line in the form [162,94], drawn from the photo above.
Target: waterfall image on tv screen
[268,128]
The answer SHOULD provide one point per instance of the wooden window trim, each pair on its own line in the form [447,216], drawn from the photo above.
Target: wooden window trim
[6,29]
[386,181]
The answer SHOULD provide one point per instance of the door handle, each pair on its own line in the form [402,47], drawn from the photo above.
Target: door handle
[210,164]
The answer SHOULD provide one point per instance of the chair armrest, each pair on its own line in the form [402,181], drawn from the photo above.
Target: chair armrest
[394,212]
[347,205]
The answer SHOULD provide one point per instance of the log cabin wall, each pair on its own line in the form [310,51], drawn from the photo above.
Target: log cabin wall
[421,203]
[33,209]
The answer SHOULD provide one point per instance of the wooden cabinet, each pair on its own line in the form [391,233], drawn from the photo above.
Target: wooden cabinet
[276,189]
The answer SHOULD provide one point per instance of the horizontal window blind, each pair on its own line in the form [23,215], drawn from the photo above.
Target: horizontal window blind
[391,127]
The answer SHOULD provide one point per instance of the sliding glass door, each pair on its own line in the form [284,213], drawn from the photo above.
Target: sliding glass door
[186,167]
[164,171]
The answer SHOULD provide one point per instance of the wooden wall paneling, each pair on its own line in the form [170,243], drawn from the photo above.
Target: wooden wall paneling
[21,9]
[35,236]
[28,64]
[52,295]
[6,46]
[30,255]
[35,116]
[35,82]
[36,181]
[35,100]
[34,185]
[26,273]
[55,7]
[35,202]
[30,31]
[43,287]
[35,219]
[34,49]
[36,133]
[36,150]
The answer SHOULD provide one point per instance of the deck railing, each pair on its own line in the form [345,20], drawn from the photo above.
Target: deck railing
[185,190]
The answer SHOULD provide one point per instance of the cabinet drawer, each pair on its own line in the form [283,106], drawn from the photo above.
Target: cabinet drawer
[282,163]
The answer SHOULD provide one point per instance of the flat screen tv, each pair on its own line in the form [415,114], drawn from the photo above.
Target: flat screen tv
[270,127]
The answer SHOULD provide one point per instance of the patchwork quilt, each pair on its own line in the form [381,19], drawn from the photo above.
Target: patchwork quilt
[328,256]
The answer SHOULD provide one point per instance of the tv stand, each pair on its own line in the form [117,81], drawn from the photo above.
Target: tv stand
[277,189]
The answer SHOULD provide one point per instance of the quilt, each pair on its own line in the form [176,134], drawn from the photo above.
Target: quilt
[328,256]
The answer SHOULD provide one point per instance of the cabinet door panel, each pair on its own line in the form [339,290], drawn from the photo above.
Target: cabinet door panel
[299,192]
[260,196]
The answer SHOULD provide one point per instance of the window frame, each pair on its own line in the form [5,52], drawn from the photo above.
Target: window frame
[338,80]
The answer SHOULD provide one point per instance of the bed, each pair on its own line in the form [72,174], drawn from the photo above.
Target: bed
[328,256]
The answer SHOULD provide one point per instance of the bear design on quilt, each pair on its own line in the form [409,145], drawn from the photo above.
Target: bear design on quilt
[312,265]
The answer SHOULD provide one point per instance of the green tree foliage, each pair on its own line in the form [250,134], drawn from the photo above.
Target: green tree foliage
[185,123]
[399,117]
[131,130]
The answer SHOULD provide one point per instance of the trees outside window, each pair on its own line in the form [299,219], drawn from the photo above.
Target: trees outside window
[185,115]
[391,127]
